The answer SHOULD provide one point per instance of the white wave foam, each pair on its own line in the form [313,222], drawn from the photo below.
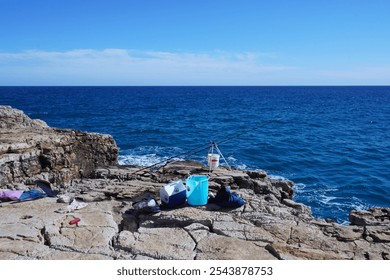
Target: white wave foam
[148,155]
[144,160]
[276,177]
[299,187]
[327,199]
[231,158]
[232,161]
[241,166]
[358,204]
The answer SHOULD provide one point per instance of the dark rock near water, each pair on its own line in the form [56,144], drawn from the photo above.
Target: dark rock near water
[91,187]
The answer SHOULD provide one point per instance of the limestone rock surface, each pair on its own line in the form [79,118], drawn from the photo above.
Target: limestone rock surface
[29,150]
[82,167]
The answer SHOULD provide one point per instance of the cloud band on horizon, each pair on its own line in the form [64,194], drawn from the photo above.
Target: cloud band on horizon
[132,67]
[135,67]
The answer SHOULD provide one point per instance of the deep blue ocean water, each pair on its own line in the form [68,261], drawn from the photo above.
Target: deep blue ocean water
[333,142]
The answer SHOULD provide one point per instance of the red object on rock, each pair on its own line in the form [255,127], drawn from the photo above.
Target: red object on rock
[74,221]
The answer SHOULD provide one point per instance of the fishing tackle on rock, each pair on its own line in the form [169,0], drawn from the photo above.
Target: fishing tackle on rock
[209,146]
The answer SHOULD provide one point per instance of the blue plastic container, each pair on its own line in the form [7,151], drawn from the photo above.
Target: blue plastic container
[197,190]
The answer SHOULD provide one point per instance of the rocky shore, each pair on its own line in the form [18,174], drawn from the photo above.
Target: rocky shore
[90,186]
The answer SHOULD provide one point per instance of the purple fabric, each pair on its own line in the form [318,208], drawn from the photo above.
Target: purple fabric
[10,195]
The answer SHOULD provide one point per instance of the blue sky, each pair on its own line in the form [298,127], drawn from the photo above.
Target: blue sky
[214,42]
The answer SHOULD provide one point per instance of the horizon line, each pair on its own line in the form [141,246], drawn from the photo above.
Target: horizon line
[368,85]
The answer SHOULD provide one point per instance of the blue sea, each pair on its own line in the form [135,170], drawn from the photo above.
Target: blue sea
[333,142]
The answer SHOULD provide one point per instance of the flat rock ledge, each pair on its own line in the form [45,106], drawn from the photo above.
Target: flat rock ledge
[82,167]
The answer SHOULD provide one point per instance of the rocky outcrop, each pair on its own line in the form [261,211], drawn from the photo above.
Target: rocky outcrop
[266,227]
[271,225]
[11,118]
[29,150]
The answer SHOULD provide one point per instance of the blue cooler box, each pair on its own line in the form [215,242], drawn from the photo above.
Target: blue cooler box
[173,194]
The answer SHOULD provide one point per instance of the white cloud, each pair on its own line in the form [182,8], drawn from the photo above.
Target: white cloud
[132,67]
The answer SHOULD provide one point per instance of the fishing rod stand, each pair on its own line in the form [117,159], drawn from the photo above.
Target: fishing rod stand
[214,146]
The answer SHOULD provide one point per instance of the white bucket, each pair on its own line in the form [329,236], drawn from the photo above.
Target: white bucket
[213,160]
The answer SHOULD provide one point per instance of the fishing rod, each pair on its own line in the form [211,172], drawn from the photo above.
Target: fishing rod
[194,150]
[203,147]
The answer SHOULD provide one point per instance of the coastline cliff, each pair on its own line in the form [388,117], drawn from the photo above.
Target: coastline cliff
[30,148]
[97,193]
